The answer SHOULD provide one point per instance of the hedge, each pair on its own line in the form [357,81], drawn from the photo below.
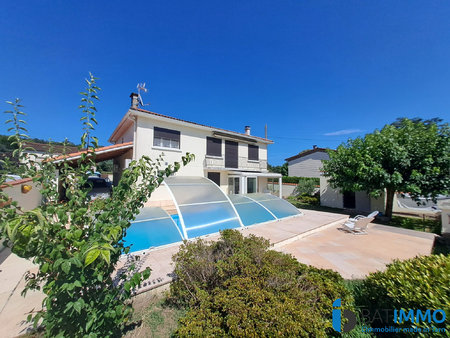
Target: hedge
[296,179]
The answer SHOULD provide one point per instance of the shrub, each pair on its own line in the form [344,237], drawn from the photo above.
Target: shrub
[419,283]
[305,187]
[237,286]
[311,200]
[297,179]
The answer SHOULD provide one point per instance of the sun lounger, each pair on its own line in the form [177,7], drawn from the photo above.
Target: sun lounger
[358,225]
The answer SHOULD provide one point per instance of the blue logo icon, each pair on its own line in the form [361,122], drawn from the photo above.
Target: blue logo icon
[337,318]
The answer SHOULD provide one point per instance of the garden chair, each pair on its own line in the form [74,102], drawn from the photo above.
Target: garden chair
[358,225]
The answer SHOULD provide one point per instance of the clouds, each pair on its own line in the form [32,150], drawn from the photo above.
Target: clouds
[344,132]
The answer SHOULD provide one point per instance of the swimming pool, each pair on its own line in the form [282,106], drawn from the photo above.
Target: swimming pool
[202,209]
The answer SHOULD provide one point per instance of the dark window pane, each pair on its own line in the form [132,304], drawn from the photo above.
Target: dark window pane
[213,146]
[253,152]
[166,137]
[215,177]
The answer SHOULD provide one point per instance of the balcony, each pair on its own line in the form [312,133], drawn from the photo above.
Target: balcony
[218,163]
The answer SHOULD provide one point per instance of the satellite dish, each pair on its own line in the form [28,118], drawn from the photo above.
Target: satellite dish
[141,87]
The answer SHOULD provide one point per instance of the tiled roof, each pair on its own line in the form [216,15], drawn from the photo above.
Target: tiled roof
[202,125]
[107,149]
[46,147]
[307,152]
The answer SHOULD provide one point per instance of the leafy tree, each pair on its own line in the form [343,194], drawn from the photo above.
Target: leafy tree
[409,156]
[77,244]
[105,166]
[279,169]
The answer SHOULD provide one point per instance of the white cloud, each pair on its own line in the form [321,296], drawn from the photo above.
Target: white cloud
[344,132]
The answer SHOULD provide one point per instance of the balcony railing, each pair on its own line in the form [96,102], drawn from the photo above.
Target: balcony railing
[243,164]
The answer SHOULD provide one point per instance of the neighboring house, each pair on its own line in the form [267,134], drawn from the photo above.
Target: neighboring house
[307,163]
[237,162]
[41,151]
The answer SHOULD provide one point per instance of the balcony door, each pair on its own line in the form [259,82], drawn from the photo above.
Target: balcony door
[231,154]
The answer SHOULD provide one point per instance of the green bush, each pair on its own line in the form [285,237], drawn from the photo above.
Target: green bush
[238,287]
[296,179]
[305,187]
[419,283]
[311,200]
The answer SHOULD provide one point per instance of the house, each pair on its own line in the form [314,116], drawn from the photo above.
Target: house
[307,163]
[236,162]
[40,151]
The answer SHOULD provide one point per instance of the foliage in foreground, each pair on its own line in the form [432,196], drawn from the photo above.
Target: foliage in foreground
[410,156]
[238,287]
[419,283]
[77,244]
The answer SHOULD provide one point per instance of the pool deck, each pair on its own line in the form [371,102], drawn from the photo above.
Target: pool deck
[313,238]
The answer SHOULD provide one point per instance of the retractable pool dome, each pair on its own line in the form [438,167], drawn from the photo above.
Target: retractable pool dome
[203,208]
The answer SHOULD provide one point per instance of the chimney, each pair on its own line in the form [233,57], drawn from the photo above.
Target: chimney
[134,100]
[315,146]
[247,130]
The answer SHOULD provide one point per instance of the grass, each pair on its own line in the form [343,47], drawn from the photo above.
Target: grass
[155,318]
[418,224]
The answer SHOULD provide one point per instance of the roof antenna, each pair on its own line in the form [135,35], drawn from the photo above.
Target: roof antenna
[141,87]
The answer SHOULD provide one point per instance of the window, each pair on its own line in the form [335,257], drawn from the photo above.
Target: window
[253,152]
[213,146]
[233,185]
[166,138]
[215,177]
[251,185]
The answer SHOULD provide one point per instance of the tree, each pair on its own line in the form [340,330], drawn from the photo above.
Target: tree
[280,169]
[77,244]
[409,156]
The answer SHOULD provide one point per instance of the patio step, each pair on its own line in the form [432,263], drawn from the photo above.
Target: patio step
[310,232]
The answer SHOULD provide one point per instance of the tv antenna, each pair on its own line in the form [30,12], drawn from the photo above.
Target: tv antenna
[141,87]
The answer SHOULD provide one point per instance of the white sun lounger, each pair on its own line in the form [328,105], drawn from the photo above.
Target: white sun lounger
[358,225]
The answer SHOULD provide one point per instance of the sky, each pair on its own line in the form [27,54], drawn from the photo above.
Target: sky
[316,72]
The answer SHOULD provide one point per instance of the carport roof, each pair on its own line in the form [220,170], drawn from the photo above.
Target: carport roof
[101,154]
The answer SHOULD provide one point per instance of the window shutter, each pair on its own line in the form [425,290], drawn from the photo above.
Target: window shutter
[253,152]
[213,146]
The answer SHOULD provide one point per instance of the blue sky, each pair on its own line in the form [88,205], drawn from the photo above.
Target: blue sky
[316,72]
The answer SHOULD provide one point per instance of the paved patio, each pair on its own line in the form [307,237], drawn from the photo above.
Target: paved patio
[355,256]
[312,238]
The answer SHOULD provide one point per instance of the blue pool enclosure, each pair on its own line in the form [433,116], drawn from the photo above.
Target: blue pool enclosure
[202,209]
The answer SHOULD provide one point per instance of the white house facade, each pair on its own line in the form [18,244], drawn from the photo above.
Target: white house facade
[237,162]
[307,163]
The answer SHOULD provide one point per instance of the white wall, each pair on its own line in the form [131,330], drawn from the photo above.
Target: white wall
[330,197]
[27,201]
[192,140]
[128,135]
[307,166]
